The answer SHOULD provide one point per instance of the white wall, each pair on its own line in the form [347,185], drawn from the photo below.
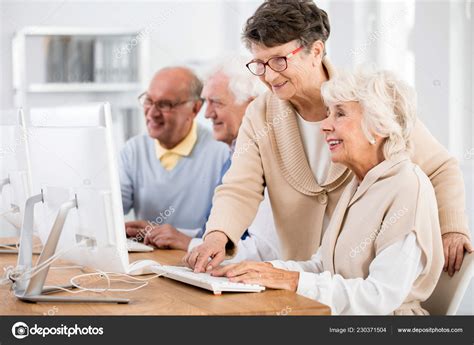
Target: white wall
[430,43]
[425,41]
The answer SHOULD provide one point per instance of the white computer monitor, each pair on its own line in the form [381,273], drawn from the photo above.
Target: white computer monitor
[15,183]
[76,200]
[72,154]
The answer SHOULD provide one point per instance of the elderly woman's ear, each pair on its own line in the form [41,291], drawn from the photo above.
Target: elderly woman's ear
[317,49]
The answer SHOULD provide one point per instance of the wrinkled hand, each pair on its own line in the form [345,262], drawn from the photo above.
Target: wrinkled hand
[137,229]
[167,237]
[454,245]
[261,273]
[212,248]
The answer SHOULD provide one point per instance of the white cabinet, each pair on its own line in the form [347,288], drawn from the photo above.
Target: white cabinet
[71,65]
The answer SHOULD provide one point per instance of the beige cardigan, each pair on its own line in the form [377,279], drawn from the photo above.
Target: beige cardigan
[269,152]
[394,199]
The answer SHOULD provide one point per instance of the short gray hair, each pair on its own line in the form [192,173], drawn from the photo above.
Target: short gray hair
[195,84]
[242,83]
[388,103]
[195,87]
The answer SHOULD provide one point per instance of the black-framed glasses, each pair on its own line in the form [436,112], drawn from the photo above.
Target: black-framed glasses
[276,63]
[162,105]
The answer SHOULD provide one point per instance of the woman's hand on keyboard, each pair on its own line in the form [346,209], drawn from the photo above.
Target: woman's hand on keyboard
[213,249]
[261,273]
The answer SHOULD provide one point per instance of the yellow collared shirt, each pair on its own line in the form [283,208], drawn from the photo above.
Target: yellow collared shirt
[170,158]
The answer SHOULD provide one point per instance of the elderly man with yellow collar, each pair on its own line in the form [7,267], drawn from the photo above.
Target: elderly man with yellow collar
[168,176]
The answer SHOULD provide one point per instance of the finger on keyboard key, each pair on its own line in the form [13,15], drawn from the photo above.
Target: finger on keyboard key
[206,281]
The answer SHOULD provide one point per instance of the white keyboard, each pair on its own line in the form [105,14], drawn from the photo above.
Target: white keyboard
[137,247]
[204,280]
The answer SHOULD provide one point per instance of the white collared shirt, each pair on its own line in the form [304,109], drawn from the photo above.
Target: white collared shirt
[391,276]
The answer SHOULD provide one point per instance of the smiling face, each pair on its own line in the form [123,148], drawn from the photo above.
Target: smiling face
[170,127]
[346,140]
[222,109]
[291,82]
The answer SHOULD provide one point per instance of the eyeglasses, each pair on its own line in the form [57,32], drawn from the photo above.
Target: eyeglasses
[163,105]
[276,63]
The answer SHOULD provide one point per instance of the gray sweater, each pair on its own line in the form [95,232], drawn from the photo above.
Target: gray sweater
[180,197]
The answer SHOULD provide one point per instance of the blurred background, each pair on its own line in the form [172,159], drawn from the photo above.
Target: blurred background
[72,51]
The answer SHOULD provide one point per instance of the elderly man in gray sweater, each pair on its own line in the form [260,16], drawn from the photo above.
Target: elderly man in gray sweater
[168,176]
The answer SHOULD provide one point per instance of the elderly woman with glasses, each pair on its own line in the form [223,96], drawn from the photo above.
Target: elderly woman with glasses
[280,147]
[373,260]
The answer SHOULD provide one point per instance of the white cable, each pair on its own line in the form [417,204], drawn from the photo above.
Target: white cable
[7,271]
[17,243]
[35,246]
[15,274]
[16,246]
[9,211]
[143,282]
[66,267]
[37,269]
[8,247]
[81,289]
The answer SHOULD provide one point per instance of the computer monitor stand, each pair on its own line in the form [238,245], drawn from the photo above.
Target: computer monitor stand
[3,183]
[12,248]
[35,290]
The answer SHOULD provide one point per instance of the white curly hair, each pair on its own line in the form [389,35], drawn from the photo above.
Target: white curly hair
[388,103]
[242,83]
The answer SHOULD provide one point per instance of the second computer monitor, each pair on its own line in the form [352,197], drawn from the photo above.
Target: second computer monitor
[14,172]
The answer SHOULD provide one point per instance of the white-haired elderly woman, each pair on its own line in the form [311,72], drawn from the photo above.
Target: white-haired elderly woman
[280,148]
[382,252]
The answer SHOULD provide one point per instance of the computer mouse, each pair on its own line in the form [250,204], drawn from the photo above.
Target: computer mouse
[141,267]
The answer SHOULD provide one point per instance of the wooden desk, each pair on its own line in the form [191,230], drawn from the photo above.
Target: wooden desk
[162,296]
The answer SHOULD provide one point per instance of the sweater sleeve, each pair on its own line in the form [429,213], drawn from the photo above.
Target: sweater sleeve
[446,178]
[236,200]
[126,180]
